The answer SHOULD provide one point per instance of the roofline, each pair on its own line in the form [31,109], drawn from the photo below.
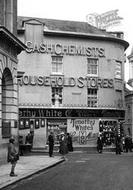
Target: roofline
[85,35]
[13,38]
[103,37]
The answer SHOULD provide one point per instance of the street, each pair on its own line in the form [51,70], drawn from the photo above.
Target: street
[84,171]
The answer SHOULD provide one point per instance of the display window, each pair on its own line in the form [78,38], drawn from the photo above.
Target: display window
[56,126]
[24,124]
[108,130]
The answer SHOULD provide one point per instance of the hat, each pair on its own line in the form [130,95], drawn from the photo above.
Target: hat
[11,139]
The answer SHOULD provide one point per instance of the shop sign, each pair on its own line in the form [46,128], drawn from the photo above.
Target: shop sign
[69,113]
[84,124]
[84,131]
[59,49]
[90,82]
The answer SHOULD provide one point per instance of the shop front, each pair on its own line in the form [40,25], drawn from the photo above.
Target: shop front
[84,125]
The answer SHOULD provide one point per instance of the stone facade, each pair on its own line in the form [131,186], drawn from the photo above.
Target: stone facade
[73,81]
[10,47]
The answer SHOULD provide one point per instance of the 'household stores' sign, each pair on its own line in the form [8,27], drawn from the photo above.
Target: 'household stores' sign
[90,82]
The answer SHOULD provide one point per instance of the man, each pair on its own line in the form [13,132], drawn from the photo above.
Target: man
[51,143]
[12,156]
[100,143]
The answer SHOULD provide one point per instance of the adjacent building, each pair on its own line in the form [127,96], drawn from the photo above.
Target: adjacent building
[73,81]
[10,47]
[128,125]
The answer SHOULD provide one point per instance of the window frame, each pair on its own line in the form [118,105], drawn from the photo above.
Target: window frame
[55,64]
[91,65]
[92,98]
[59,91]
[118,70]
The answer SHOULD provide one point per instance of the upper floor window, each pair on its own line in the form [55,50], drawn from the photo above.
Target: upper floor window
[118,70]
[57,65]
[56,96]
[92,67]
[92,97]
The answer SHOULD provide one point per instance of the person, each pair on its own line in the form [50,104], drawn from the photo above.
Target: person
[69,143]
[100,143]
[118,145]
[63,144]
[29,139]
[20,140]
[51,143]
[13,156]
[128,143]
[123,144]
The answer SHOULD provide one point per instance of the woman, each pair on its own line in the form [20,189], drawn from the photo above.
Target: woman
[63,144]
[12,156]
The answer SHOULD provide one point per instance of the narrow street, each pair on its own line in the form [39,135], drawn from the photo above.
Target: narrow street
[82,171]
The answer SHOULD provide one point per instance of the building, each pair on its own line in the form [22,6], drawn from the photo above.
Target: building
[10,47]
[129,99]
[73,81]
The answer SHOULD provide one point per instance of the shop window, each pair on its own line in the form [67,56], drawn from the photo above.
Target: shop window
[57,65]
[92,67]
[37,124]
[42,123]
[108,130]
[24,124]
[92,97]
[56,96]
[56,126]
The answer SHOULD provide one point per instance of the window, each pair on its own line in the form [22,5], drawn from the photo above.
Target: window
[57,64]
[56,96]
[6,129]
[92,68]
[118,70]
[92,97]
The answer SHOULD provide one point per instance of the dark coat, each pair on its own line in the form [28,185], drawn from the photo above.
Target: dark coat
[63,145]
[69,143]
[12,155]
[99,143]
[50,140]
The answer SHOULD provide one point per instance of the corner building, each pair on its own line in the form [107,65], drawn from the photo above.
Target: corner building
[73,81]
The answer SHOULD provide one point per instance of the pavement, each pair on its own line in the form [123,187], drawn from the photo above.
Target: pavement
[26,167]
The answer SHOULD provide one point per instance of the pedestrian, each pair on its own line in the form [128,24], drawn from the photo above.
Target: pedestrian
[100,143]
[69,143]
[20,140]
[29,139]
[123,144]
[63,144]
[128,143]
[118,145]
[13,156]
[51,143]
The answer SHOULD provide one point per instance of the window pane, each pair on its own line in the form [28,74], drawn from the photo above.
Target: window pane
[92,98]
[118,70]
[57,64]
[92,66]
